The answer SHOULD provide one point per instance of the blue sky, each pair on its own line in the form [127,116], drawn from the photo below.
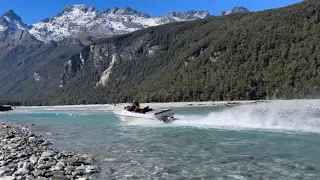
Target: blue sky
[33,11]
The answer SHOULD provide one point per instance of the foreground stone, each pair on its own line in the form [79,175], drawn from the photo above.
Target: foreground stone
[24,155]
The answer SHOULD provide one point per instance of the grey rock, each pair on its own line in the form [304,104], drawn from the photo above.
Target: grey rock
[21,172]
[68,170]
[62,162]
[15,146]
[88,159]
[10,136]
[16,161]
[42,178]
[32,139]
[6,169]
[58,168]
[83,178]
[8,178]
[2,172]
[52,164]
[43,166]
[12,157]
[47,174]
[78,172]
[59,178]
[29,177]
[37,173]
[76,163]
[92,169]
[20,164]
[70,160]
[43,159]
[3,163]
[33,159]
[60,165]
[28,166]
[46,143]
[14,140]
[12,166]
[21,155]
[57,173]
[52,159]
[83,168]
[47,154]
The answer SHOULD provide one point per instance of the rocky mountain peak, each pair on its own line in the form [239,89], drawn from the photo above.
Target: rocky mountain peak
[196,14]
[79,7]
[125,11]
[78,20]
[12,15]
[235,10]
[189,14]
[93,9]
[10,20]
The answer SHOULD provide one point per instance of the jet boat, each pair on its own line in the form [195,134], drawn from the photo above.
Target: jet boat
[5,108]
[165,115]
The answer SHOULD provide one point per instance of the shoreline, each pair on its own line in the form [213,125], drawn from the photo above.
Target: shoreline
[120,106]
[25,155]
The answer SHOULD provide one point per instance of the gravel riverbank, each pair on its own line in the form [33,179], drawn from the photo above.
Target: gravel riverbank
[24,155]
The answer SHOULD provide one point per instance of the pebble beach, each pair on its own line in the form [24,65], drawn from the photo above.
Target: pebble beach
[24,155]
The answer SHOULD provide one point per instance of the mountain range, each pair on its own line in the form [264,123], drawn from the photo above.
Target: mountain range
[192,56]
[88,24]
[244,56]
[32,55]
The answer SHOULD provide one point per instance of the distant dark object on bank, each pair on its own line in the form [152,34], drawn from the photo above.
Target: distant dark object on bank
[5,108]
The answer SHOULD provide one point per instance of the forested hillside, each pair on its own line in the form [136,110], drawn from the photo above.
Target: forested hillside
[29,71]
[268,54]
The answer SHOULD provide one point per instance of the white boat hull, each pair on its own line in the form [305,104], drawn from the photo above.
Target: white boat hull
[165,115]
[128,118]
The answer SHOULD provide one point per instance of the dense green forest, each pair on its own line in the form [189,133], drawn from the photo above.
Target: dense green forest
[262,55]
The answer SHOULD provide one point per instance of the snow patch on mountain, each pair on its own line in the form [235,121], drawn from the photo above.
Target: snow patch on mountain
[76,20]
[3,28]
[79,21]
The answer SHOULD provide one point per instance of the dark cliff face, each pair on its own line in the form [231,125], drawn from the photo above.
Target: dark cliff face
[102,56]
[74,65]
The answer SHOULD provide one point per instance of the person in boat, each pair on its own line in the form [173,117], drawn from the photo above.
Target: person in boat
[137,108]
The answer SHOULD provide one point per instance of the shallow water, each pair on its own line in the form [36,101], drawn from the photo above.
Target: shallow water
[277,140]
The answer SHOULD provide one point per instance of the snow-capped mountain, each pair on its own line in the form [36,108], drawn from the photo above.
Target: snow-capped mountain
[234,10]
[13,32]
[11,21]
[78,20]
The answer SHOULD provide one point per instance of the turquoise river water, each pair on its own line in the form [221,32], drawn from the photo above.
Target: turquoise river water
[279,140]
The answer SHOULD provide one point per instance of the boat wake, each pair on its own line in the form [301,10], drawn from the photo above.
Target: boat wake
[302,116]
